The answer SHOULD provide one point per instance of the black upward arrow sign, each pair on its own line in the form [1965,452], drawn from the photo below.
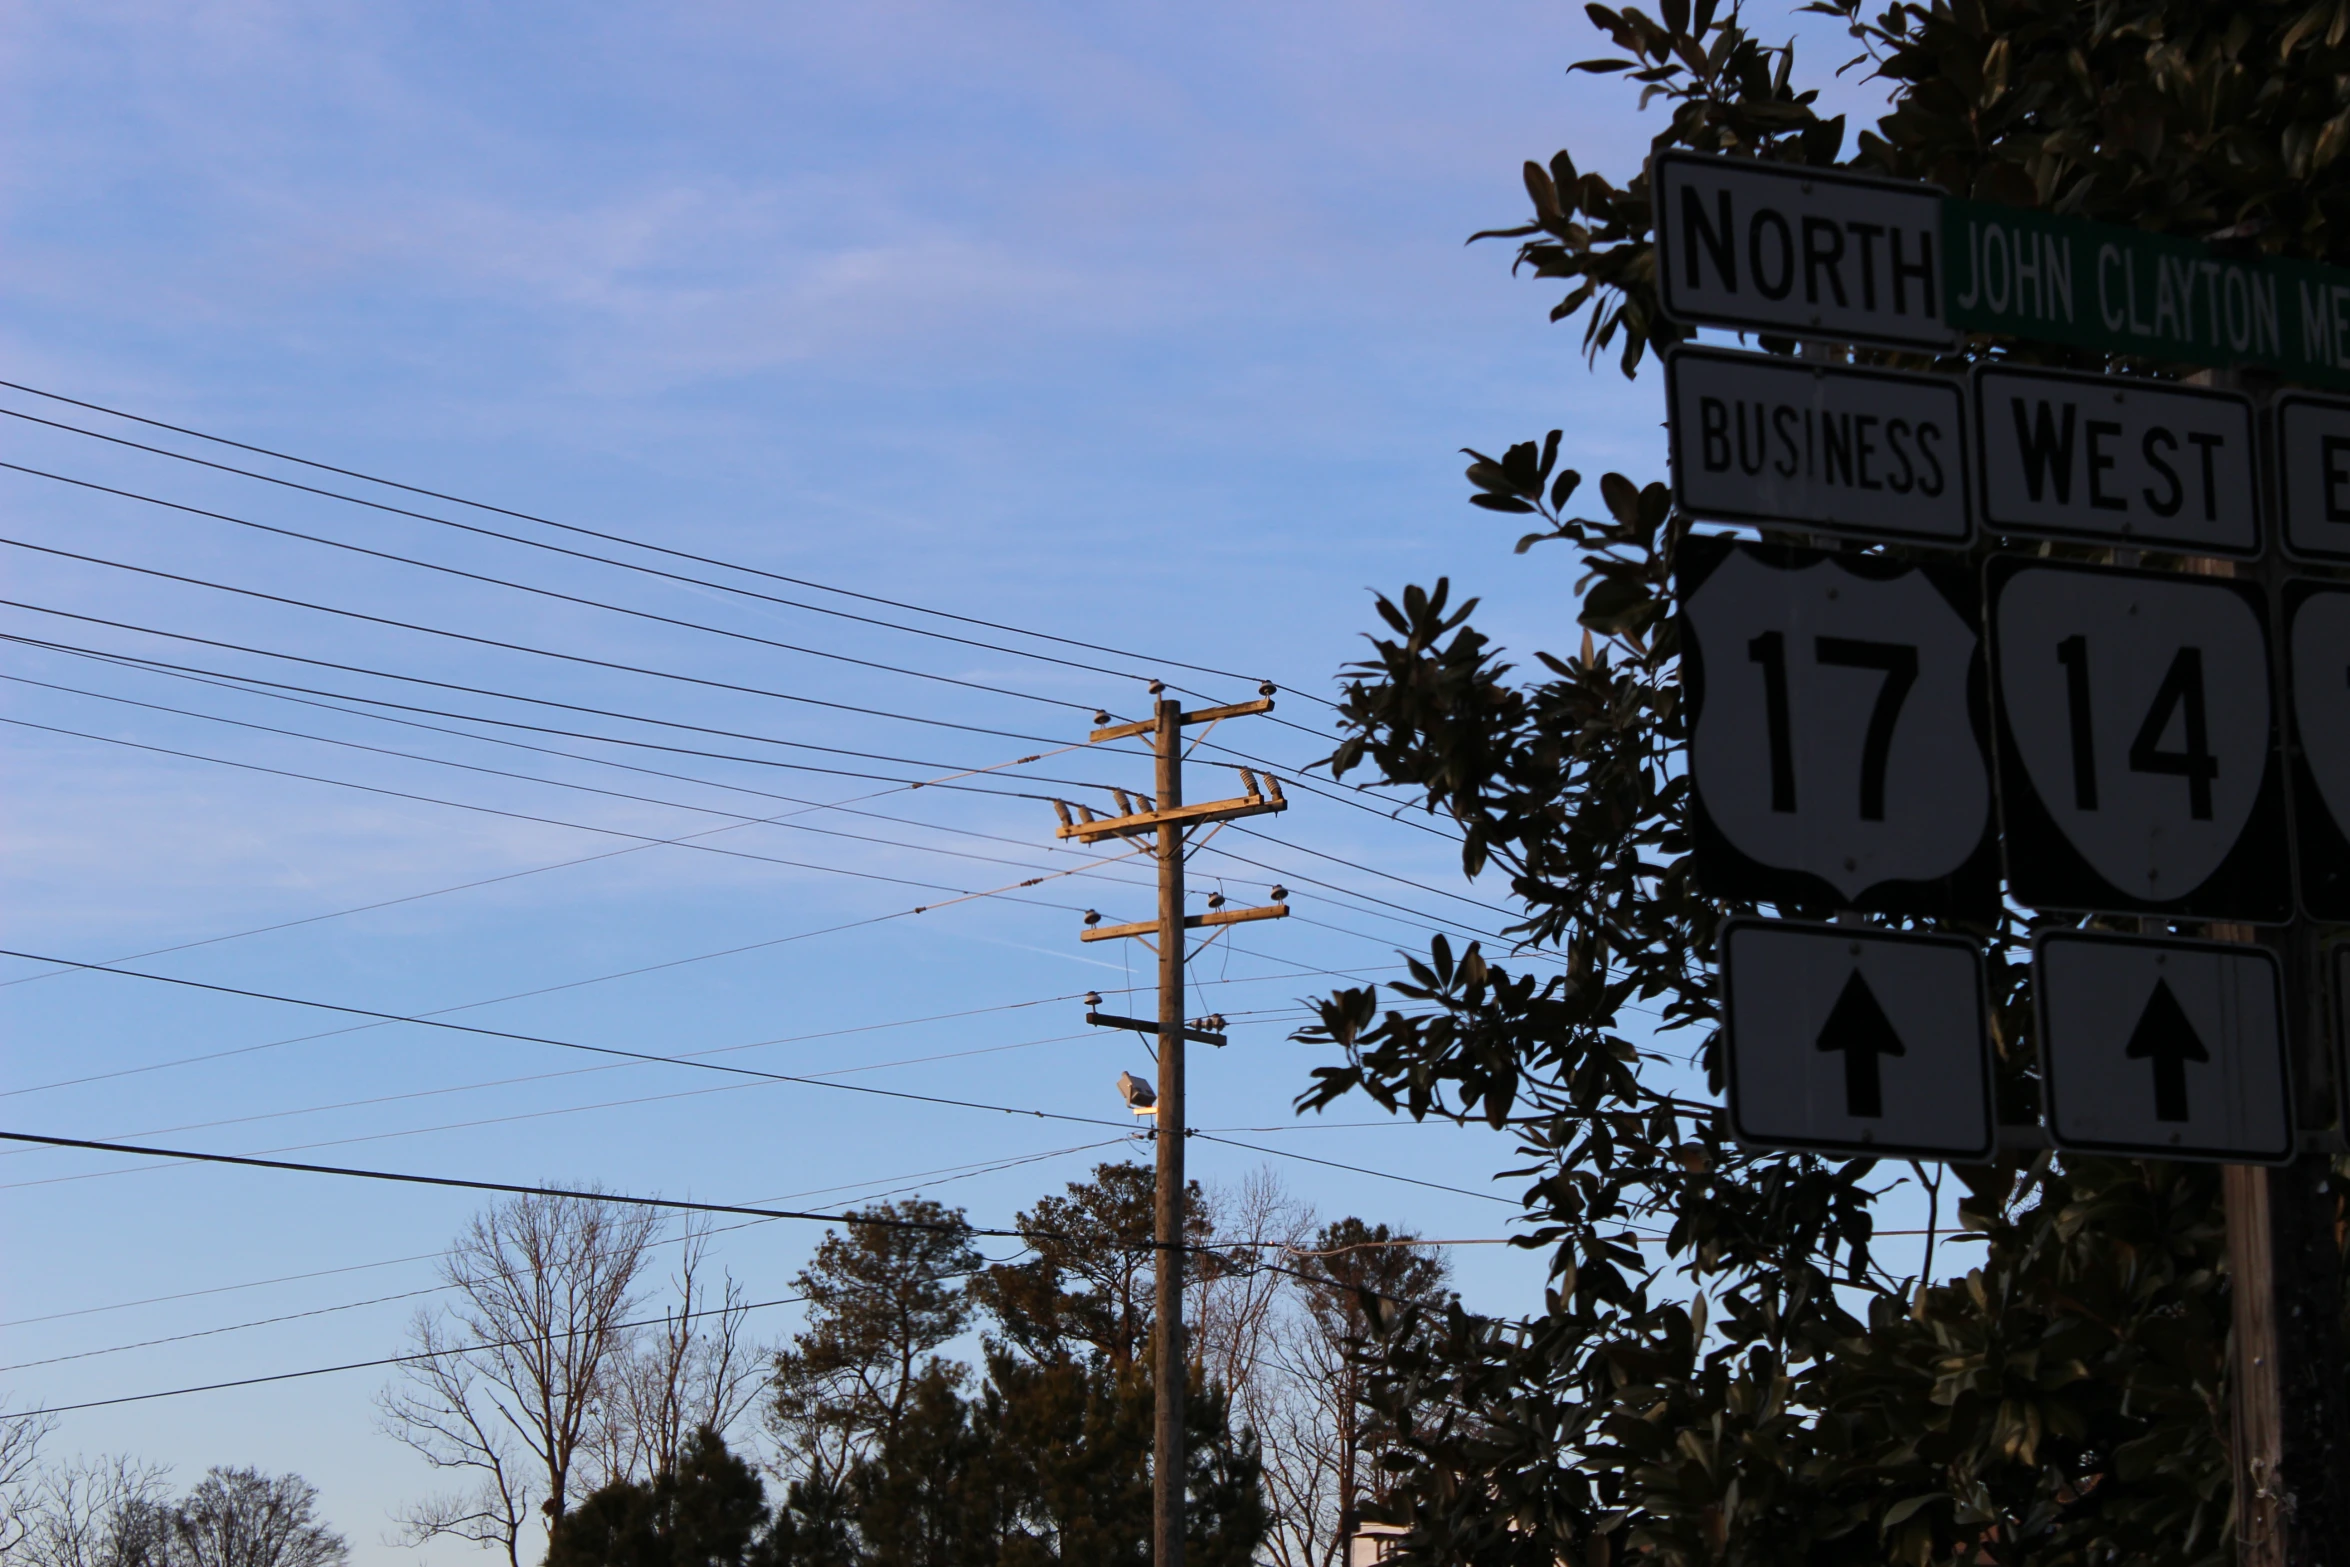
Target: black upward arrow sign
[2165,1037]
[1858,1028]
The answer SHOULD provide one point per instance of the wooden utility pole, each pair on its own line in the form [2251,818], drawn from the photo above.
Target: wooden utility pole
[2289,1413]
[1166,817]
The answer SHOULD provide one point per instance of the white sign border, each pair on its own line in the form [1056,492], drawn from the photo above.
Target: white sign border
[2040,1044]
[1949,337]
[2263,525]
[2003,566]
[1849,933]
[1956,385]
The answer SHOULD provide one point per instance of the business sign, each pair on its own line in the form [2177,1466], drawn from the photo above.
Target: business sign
[2125,291]
[2162,1048]
[1838,730]
[2317,661]
[2117,460]
[1871,454]
[1780,248]
[2138,742]
[1857,1041]
[2310,452]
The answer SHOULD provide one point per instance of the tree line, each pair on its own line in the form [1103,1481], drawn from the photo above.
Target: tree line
[589,1395]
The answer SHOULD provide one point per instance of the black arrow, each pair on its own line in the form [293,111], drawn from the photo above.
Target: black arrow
[1858,1028]
[2165,1037]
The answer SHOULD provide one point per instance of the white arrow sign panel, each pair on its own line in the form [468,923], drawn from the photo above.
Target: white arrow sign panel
[2117,460]
[1850,1040]
[2318,654]
[1836,748]
[2162,1048]
[2138,749]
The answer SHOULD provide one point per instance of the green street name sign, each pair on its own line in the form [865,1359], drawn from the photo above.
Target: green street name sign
[2125,291]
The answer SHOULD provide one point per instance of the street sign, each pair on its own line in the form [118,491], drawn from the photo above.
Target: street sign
[2117,460]
[1843,1039]
[2153,296]
[1838,730]
[2317,660]
[2310,451]
[2137,742]
[2162,1047]
[1777,247]
[1872,454]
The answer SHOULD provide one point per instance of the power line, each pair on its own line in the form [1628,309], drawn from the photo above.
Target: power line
[518,647]
[1417,886]
[504,1120]
[1348,892]
[1026,1236]
[262,930]
[524,587]
[598,979]
[1337,796]
[954,1171]
[552,821]
[614,538]
[369,1365]
[245,685]
[535,701]
[557,549]
[425,1021]
[949,1173]
[738,817]
[636,1055]
[1351,1169]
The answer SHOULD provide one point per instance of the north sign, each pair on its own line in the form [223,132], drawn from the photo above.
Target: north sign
[1856,1041]
[2117,460]
[1838,730]
[2138,743]
[2317,661]
[1870,454]
[2310,450]
[1774,247]
[2162,1048]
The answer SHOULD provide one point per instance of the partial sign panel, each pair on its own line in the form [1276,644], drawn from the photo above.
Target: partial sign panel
[1848,1040]
[1869,453]
[2163,1048]
[2317,653]
[2139,766]
[1839,732]
[2311,450]
[1775,247]
[2117,460]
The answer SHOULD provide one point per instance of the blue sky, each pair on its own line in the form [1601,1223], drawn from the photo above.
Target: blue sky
[1150,326]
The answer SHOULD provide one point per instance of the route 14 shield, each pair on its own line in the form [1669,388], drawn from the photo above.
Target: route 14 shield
[1843,1039]
[2317,648]
[1838,731]
[2138,743]
[2162,1048]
